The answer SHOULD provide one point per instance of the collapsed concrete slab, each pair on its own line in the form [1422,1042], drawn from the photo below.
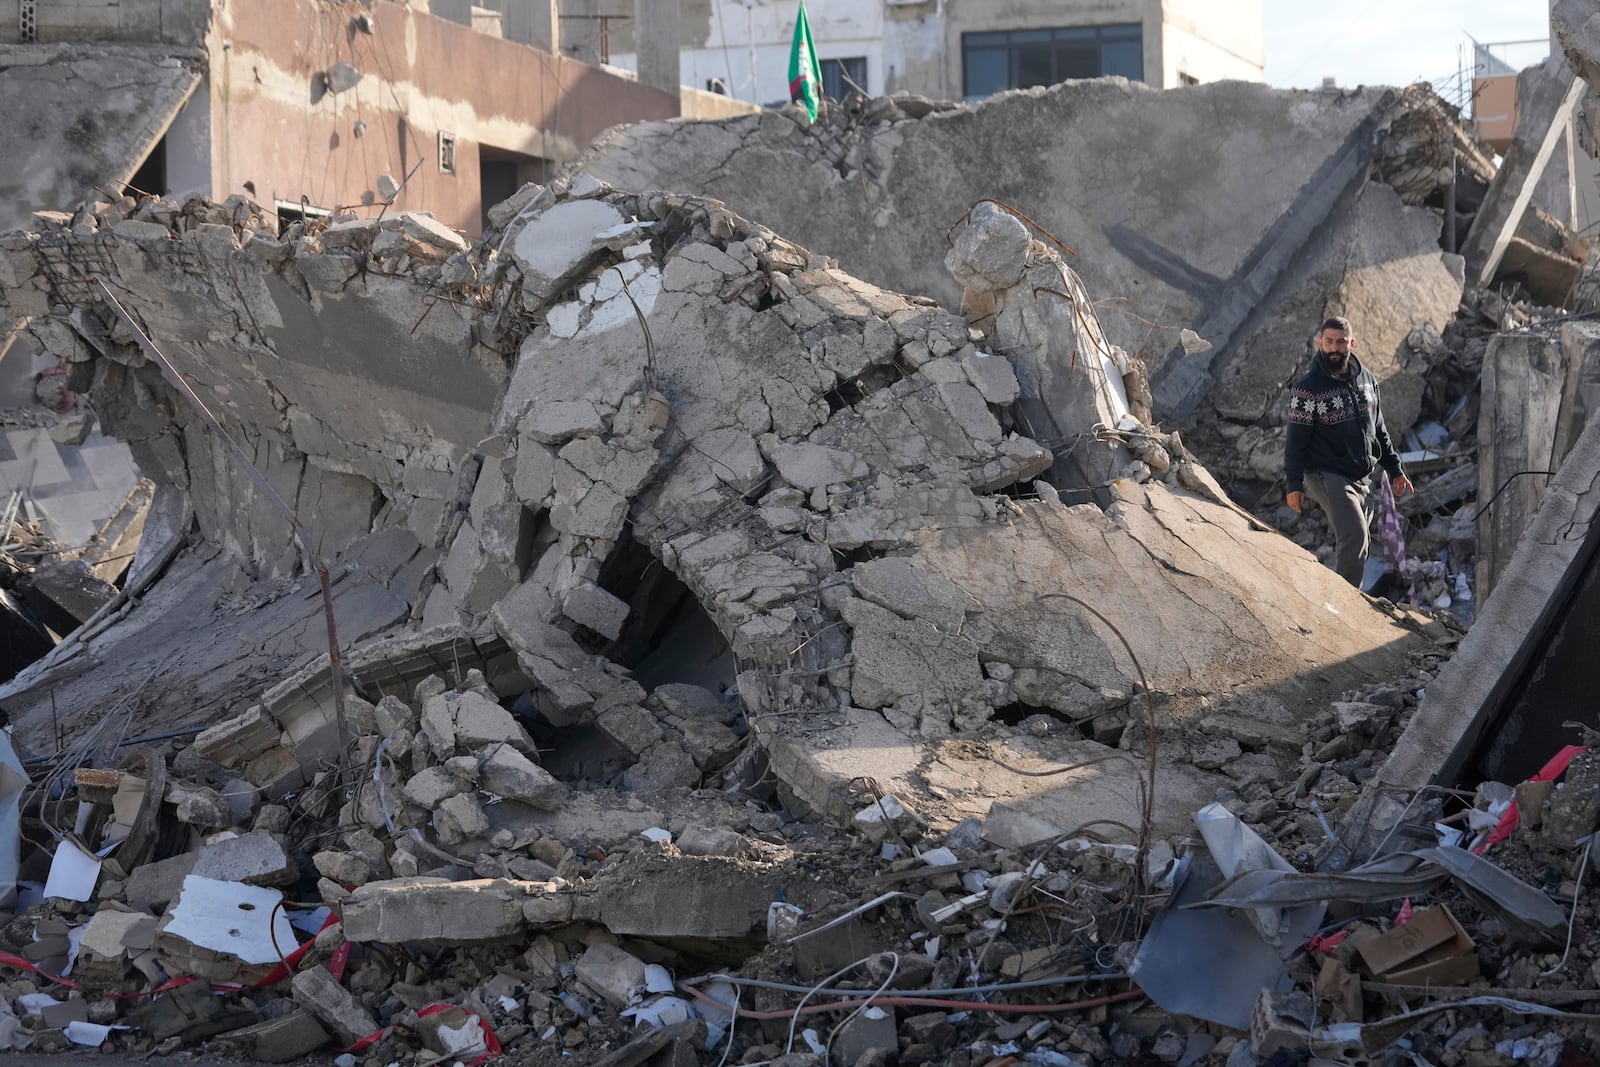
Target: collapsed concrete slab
[83,119]
[657,446]
[1173,234]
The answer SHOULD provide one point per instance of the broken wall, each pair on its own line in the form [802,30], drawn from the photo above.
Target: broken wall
[614,391]
[354,385]
[421,82]
[1170,230]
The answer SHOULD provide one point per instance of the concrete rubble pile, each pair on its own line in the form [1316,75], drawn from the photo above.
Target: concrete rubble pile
[738,658]
[1347,219]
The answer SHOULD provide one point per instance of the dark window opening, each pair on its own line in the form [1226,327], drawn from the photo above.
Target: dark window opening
[151,177]
[501,173]
[1187,79]
[841,77]
[1020,59]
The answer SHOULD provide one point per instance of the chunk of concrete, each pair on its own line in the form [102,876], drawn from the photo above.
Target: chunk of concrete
[225,931]
[281,1040]
[242,737]
[510,774]
[334,1006]
[616,975]
[434,911]
[555,247]
[593,607]
[255,858]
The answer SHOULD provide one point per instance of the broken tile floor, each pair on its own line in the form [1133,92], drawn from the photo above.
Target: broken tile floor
[741,662]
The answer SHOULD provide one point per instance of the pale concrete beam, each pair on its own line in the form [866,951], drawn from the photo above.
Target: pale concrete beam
[656,36]
[1547,101]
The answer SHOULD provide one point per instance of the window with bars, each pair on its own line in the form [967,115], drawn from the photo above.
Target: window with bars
[992,62]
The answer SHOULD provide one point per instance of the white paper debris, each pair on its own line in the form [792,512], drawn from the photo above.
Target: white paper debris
[73,874]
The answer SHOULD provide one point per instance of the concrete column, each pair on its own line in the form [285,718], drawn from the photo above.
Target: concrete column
[655,28]
[531,22]
[580,36]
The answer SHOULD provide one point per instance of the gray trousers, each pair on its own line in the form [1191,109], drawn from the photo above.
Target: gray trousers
[1345,503]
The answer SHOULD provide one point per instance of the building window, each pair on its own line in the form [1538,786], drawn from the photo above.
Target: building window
[841,77]
[1187,79]
[1019,59]
[447,153]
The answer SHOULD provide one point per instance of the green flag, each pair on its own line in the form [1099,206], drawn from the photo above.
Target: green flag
[805,77]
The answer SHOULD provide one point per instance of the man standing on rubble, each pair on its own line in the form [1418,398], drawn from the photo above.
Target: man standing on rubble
[1336,441]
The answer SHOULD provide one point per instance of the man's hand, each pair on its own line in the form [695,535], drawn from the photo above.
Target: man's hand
[1297,501]
[1402,485]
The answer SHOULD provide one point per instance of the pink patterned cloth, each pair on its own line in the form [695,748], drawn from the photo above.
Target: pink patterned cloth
[1389,531]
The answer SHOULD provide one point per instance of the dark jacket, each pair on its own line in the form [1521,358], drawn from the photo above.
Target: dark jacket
[1335,425]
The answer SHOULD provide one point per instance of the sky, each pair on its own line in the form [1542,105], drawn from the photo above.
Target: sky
[1395,42]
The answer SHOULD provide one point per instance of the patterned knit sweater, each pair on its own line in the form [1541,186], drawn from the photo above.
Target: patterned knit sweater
[1335,424]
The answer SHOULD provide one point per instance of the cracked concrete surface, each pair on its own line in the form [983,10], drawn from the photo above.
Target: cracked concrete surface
[529,446]
[1170,231]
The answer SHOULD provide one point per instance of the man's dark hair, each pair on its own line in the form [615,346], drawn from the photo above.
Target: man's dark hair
[1335,322]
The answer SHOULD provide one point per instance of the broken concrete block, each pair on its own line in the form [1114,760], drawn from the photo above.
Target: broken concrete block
[711,841]
[432,786]
[591,606]
[870,1032]
[225,931]
[326,272]
[439,723]
[990,252]
[391,715]
[479,721]
[104,948]
[153,885]
[256,858]
[199,806]
[690,896]
[632,727]
[349,869]
[612,973]
[280,1040]
[811,466]
[434,911]
[558,421]
[430,231]
[556,246]
[463,816]
[514,776]
[334,1006]
[663,766]
[242,737]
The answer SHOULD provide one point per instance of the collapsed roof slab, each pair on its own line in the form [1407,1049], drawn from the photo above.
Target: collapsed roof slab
[205,641]
[354,384]
[1526,666]
[79,120]
[828,469]
[1377,262]
[1238,631]
[1191,230]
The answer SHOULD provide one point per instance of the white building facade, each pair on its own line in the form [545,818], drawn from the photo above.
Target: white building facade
[962,49]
